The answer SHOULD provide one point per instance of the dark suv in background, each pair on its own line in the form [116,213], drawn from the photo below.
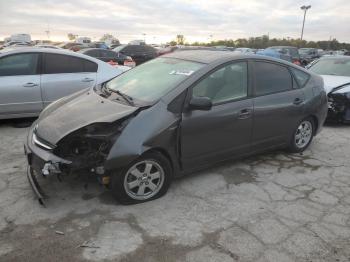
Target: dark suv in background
[139,53]
[107,55]
[288,50]
[308,55]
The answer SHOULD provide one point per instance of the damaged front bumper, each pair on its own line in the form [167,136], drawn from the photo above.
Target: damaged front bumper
[41,162]
[338,107]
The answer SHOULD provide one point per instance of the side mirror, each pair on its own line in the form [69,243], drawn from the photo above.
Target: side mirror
[200,103]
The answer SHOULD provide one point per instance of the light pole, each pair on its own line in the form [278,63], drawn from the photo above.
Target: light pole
[304,8]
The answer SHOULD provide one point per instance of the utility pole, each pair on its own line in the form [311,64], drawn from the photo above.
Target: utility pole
[304,8]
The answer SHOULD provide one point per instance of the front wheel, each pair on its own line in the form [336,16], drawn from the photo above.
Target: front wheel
[302,136]
[145,179]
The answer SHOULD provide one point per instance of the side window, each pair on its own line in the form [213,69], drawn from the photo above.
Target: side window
[59,64]
[110,54]
[104,53]
[300,76]
[20,64]
[93,52]
[127,49]
[90,66]
[271,78]
[225,84]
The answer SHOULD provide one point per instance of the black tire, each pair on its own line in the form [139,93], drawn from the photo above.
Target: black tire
[293,147]
[117,183]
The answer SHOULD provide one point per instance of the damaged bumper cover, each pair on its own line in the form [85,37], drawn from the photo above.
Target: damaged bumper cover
[339,107]
[41,162]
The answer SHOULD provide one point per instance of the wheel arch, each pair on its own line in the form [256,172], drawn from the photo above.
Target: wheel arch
[316,122]
[163,152]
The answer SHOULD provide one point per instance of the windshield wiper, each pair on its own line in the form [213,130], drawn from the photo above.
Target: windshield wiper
[124,96]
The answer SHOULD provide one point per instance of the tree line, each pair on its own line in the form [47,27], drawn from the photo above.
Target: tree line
[265,41]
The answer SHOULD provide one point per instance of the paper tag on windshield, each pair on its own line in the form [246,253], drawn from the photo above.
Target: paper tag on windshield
[181,72]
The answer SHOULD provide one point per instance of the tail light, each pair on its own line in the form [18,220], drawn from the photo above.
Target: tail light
[296,62]
[112,63]
[129,62]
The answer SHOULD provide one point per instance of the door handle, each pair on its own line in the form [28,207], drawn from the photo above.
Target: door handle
[87,79]
[30,85]
[244,113]
[298,101]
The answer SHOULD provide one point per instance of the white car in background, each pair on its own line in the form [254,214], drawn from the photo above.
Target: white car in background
[32,78]
[335,71]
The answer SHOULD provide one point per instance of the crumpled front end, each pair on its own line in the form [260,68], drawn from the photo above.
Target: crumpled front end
[85,149]
[339,107]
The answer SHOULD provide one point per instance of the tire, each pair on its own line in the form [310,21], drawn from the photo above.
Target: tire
[305,132]
[147,178]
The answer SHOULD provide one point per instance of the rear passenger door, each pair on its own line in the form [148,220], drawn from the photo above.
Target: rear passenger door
[20,85]
[64,74]
[278,105]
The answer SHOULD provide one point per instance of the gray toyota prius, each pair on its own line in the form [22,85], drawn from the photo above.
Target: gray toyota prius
[173,115]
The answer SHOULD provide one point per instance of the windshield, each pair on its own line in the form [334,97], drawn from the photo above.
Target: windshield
[150,81]
[338,67]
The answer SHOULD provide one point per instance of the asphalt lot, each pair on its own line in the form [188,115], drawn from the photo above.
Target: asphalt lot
[271,207]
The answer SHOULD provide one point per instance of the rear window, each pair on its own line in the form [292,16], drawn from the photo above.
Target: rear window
[271,78]
[300,76]
[93,53]
[106,53]
[59,64]
[294,52]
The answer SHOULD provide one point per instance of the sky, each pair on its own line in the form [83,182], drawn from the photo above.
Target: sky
[159,21]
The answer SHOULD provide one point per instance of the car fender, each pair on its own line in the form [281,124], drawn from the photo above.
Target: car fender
[152,128]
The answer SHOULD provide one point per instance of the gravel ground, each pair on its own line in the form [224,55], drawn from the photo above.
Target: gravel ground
[272,207]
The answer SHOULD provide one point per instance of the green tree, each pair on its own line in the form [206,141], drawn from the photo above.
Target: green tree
[71,36]
[180,39]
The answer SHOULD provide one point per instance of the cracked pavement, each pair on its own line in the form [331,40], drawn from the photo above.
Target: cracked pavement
[270,207]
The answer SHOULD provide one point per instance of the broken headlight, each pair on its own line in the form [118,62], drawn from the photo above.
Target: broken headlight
[89,146]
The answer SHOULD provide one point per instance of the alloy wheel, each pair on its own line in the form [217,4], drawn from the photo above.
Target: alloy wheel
[144,180]
[303,134]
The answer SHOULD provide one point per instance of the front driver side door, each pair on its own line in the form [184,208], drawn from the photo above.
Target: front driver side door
[225,130]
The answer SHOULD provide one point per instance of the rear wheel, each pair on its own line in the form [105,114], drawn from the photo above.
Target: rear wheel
[302,136]
[145,179]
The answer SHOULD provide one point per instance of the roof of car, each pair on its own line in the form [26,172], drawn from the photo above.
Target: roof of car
[92,48]
[201,56]
[47,50]
[342,57]
[282,46]
[209,56]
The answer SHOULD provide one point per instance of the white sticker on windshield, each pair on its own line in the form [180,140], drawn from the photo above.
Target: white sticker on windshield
[181,72]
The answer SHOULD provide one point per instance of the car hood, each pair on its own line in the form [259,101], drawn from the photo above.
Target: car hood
[331,82]
[76,111]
